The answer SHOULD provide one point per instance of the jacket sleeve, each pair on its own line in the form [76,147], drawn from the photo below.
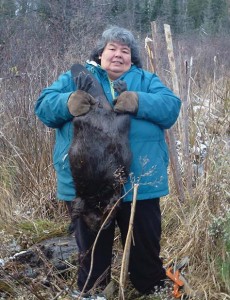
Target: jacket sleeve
[158,105]
[51,106]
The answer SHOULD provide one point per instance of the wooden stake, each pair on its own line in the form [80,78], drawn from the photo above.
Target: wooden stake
[172,63]
[150,50]
[170,136]
[170,133]
[126,254]
[186,70]
[174,162]
[155,45]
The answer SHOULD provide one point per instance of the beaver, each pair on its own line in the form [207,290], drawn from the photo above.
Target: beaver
[100,154]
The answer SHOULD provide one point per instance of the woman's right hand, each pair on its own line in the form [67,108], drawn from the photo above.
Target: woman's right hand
[80,103]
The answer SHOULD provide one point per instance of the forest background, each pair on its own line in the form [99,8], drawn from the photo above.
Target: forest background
[40,39]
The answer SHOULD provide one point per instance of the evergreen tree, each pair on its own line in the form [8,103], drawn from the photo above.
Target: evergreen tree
[218,10]
[157,9]
[174,9]
[196,10]
[118,7]
[43,9]
[7,9]
[218,15]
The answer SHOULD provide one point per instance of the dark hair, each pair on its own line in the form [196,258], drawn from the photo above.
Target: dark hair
[121,35]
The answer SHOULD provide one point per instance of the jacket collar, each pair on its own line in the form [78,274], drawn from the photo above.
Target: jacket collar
[94,67]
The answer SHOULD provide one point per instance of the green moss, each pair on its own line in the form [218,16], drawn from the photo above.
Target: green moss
[31,232]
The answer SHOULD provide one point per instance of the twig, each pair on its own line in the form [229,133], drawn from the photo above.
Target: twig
[126,254]
[96,239]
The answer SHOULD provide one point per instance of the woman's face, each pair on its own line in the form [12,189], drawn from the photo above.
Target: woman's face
[116,59]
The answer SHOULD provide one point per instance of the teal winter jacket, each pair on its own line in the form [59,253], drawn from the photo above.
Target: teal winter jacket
[158,110]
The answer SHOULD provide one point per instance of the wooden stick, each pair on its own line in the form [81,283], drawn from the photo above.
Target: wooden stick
[170,136]
[186,70]
[151,46]
[126,254]
[155,45]
[96,239]
[94,246]
[150,50]
[174,162]
[172,63]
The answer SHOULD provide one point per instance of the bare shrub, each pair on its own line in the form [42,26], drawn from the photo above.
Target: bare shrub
[27,177]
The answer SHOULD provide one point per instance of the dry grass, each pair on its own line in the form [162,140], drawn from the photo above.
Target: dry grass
[199,228]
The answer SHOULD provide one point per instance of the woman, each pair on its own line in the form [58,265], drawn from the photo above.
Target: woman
[152,108]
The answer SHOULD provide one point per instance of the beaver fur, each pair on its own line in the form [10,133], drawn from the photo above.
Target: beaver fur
[100,154]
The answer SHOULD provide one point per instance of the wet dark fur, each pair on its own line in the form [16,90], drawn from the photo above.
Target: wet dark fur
[100,158]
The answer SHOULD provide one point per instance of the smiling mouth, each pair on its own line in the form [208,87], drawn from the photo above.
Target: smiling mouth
[117,62]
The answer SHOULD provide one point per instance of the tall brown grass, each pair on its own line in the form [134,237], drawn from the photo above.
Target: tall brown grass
[198,228]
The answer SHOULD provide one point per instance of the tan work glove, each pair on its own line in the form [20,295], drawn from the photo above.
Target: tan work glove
[80,102]
[127,102]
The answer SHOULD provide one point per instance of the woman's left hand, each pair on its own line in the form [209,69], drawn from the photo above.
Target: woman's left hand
[127,102]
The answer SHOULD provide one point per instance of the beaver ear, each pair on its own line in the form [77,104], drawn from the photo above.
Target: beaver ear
[95,89]
[84,82]
[120,86]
